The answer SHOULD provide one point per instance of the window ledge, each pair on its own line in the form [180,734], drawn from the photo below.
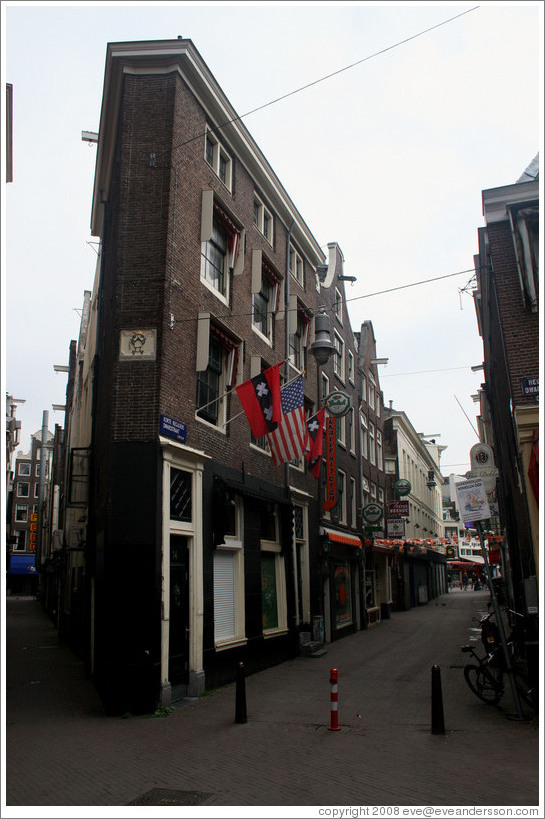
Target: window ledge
[227,644]
[267,635]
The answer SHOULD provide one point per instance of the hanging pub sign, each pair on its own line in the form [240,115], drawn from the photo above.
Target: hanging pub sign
[330,464]
[398,509]
[402,487]
[372,513]
[337,403]
[395,527]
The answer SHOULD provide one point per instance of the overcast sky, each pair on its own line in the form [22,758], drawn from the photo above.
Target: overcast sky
[387,158]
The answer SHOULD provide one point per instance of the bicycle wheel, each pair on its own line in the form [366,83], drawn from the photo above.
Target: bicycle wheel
[526,694]
[484,685]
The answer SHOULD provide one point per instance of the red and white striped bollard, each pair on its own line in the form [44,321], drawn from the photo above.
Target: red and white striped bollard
[333,679]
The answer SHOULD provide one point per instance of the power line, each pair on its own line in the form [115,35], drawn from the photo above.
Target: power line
[421,372]
[328,76]
[331,309]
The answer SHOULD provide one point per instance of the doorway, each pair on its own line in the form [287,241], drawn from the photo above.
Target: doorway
[178,652]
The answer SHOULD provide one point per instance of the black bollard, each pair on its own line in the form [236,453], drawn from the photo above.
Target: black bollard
[437,718]
[240,709]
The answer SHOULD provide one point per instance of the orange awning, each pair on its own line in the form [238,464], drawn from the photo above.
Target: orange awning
[348,540]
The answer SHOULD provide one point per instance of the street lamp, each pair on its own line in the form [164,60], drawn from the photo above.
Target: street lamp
[322,348]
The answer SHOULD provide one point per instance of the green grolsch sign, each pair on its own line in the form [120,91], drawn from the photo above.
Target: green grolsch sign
[402,487]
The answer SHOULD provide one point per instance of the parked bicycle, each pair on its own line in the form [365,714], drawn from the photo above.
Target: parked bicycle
[487,678]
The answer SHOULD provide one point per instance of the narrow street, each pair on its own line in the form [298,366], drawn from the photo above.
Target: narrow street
[61,750]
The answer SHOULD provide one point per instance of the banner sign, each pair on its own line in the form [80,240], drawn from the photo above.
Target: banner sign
[331,463]
[472,500]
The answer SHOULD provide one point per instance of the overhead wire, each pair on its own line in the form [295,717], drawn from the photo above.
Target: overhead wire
[326,77]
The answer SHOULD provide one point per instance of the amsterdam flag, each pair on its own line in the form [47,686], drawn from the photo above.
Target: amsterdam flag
[260,399]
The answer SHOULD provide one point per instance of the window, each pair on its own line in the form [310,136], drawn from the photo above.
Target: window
[296,265]
[180,495]
[300,323]
[78,489]
[343,594]
[24,470]
[210,387]
[263,219]
[353,498]
[352,430]
[265,295]
[222,247]
[218,159]
[214,259]
[21,513]
[372,448]
[341,496]
[325,386]
[261,315]
[365,495]
[363,388]
[364,436]
[371,397]
[338,305]
[339,363]
[229,617]
[379,449]
[341,430]
[302,587]
[217,365]
[273,580]
[20,540]
[23,489]
[37,470]
[351,366]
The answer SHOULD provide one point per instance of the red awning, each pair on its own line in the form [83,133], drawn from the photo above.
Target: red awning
[461,564]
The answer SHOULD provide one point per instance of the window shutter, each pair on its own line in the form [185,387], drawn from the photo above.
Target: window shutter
[203,341]
[224,595]
[257,262]
[207,215]
[239,262]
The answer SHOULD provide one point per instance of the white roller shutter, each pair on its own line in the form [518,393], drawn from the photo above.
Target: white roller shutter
[224,595]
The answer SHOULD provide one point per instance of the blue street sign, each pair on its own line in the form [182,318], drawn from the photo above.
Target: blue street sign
[173,429]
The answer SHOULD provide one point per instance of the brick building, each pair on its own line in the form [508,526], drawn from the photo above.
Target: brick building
[507,307]
[194,550]
[22,567]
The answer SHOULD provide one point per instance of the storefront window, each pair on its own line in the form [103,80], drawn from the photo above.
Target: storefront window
[369,589]
[343,596]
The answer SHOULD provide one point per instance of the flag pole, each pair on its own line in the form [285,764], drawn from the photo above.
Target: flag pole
[281,388]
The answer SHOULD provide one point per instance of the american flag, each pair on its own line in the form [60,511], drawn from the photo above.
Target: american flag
[291,439]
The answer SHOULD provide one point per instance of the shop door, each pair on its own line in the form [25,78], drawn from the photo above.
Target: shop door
[178,667]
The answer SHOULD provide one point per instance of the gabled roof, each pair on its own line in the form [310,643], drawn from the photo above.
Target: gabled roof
[532,171]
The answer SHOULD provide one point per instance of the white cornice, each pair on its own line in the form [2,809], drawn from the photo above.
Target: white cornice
[497,201]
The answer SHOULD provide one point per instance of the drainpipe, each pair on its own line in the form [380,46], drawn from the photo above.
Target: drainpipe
[287,337]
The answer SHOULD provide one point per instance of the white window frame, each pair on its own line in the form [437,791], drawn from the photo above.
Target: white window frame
[339,359]
[363,389]
[371,393]
[352,416]
[233,546]
[274,547]
[351,366]
[301,545]
[263,217]
[364,436]
[296,266]
[353,491]
[21,509]
[380,462]
[222,399]
[222,295]
[341,431]
[23,494]
[24,470]
[341,496]
[338,305]
[218,153]
[372,446]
